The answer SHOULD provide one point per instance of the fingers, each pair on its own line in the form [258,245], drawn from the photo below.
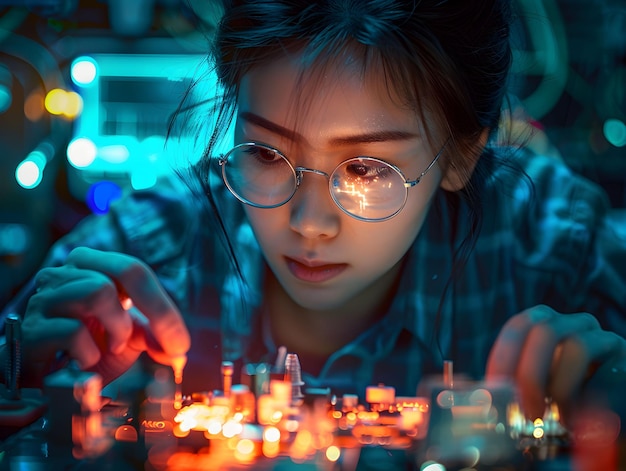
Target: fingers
[85,295]
[578,359]
[46,337]
[101,309]
[83,348]
[506,350]
[146,292]
[549,355]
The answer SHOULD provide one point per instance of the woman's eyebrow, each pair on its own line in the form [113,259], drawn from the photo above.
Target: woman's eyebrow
[271,126]
[366,137]
[373,136]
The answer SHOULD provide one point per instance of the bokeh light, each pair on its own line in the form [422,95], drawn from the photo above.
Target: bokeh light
[84,71]
[63,103]
[432,466]
[81,152]
[100,196]
[333,453]
[34,106]
[615,132]
[29,172]
[14,238]
[144,178]
[55,101]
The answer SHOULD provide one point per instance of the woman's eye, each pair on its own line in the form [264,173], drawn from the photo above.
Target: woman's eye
[264,154]
[367,171]
[358,169]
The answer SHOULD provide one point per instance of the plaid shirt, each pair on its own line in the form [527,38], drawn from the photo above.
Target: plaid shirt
[555,247]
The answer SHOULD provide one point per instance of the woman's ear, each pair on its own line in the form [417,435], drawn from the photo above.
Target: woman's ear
[456,176]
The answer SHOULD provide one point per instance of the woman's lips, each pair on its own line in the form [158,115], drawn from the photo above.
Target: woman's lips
[314,273]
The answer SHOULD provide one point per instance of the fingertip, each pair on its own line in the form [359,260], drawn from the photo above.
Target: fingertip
[178,365]
[179,342]
[84,350]
[540,313]
[533,406]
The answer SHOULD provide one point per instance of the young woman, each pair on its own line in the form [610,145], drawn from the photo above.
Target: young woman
[364,218]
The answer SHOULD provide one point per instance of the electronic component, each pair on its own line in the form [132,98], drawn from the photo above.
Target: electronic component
[256,422]
[18,407]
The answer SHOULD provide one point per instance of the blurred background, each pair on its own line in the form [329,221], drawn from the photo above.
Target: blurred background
[88,87]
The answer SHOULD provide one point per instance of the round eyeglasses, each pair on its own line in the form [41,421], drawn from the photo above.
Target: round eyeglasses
[366,188]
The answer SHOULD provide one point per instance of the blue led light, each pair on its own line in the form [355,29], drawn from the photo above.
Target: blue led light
[100,196]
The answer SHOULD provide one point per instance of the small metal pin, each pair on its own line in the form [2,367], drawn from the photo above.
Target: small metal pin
[294,372]
[279,365]
[178,364]
[227,376]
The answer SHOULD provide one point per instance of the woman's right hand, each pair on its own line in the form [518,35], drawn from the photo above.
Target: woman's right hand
[80,311]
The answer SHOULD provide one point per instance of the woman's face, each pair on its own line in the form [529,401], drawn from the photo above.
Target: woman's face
[324,258]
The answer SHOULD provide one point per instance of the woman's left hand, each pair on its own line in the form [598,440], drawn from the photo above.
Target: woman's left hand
[551,355]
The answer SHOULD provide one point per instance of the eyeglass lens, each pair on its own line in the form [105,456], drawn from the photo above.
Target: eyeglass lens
[364,187]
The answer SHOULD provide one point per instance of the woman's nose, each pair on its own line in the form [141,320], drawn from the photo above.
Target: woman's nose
[314,214]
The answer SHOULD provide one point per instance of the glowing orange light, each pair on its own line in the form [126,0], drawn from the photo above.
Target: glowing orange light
[421,404]
[302,445]
[277,416]
[214,427]
[411,418]
[368,416]
[304,439]
[238,416]
[380,394]
[271,434]
[333,453]
[271,449]
[292,425]
[202,417]
[244,451]
[126,433]
[180,431]
[231,428]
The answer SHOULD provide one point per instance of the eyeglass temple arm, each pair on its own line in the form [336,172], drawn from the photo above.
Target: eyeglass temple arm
[411,183]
